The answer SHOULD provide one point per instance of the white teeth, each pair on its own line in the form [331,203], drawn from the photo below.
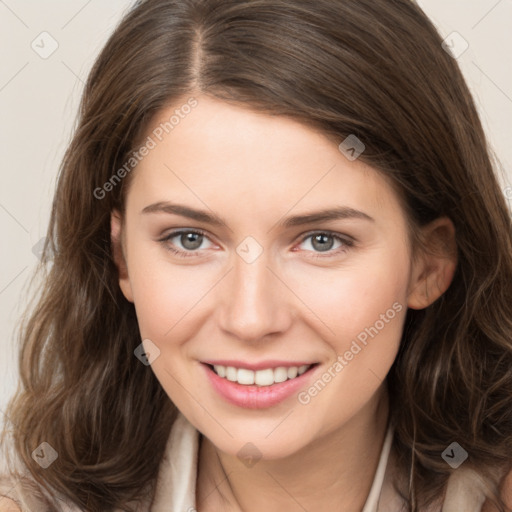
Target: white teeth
[245,376]
[292,372]
[220,370]
[262,377]
[231,373]
[302,369]
[280,374]
[265,377]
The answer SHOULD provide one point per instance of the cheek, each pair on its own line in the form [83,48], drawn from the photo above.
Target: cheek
[348,300]
[364,307]
[164,293]
[168,301]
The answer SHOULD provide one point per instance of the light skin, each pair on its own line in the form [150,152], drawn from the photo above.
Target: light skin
[294,302]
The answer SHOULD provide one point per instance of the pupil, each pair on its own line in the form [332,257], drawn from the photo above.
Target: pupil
[322,246]
[189,238]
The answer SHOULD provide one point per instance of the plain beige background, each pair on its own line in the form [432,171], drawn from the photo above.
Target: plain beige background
[39,94]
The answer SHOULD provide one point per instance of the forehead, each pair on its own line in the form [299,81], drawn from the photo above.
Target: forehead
[228,156]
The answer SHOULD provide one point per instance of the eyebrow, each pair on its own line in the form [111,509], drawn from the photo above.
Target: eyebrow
[342,212]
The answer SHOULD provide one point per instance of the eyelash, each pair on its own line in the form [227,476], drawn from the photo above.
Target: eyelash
[347,243]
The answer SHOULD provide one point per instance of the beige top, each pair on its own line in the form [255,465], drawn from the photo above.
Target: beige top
[176,483]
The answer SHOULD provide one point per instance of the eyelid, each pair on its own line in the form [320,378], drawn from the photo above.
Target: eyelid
[179,231]
[335,234]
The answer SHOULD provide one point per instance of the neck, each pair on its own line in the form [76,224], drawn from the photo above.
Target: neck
[334,472]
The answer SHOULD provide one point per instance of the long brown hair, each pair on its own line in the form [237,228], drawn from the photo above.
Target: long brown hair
[372,68]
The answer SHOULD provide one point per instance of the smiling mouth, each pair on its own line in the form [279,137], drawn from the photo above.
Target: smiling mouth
[262,378]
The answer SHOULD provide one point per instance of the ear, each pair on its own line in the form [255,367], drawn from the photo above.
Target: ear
[116,238]
[434,265]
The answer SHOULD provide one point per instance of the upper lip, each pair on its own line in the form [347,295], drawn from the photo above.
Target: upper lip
[262,365]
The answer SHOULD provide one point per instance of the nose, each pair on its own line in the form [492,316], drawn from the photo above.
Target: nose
[254,302]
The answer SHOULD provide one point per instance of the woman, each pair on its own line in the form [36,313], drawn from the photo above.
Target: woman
[338,334]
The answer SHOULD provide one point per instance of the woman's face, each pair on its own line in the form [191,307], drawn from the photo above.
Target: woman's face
[254,284]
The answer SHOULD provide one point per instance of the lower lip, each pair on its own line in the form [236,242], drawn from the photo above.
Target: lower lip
[256,397]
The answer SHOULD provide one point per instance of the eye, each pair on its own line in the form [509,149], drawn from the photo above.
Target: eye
[324,241]
[190,241]
[320,242]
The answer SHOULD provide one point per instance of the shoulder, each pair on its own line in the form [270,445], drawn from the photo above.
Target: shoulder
[506,495]
[7,486]
[21,493]
[8,505]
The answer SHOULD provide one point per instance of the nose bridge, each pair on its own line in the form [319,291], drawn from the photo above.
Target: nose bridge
[253,304]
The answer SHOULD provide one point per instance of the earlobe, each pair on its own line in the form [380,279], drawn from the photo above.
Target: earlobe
[118,254]
[433,270]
